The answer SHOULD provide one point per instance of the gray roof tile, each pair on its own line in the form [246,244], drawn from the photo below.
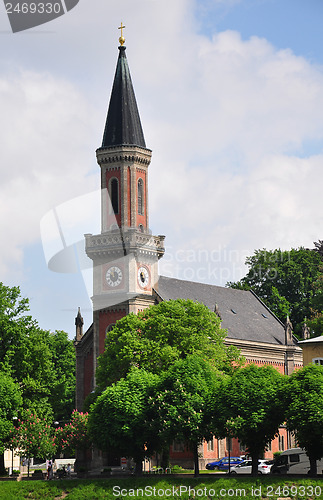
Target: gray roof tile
[252,320]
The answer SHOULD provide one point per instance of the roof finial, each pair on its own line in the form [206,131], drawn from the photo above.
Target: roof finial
[121,39]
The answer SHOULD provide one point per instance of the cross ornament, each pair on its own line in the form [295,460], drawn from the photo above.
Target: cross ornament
[121,39]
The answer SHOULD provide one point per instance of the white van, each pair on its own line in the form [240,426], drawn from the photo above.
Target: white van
[294,461]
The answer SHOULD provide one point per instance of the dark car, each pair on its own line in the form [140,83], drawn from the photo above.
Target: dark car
[223,463]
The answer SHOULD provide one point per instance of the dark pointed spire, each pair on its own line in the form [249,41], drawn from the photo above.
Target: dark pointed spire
[123,126]
[79,325]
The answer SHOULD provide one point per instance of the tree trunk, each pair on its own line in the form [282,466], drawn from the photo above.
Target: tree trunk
[196,460]
[2,467]
[138,468]
[313,467]
[254,469]
[165,458]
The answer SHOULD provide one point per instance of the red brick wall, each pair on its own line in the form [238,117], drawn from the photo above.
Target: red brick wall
[107,318]
[141,219]
[129,196]
[88,373]
[280,366]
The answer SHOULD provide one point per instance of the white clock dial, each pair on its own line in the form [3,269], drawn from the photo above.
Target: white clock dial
[113,276]
[143,276]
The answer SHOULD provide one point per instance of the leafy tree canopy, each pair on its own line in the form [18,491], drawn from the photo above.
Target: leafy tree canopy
[283,280]
[43,363]
[10,404]
[251,405]
[304,401]
[161,335]
[73,435]
[62,394]
[180,404]
[33,437]
[315,322]
[118,420]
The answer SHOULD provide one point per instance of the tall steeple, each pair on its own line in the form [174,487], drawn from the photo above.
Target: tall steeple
[123,156]
[123,126]
[125,254]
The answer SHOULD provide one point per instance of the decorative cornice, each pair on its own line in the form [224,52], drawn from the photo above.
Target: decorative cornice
[270,353]
[121,154]
[123,158]
[129,241]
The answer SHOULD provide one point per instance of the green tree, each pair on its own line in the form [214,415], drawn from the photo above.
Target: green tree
[118,420]
[180,405]
[43,363]
[33,437]
[161,335]
[62,383]
[10,404]
[74,434]
[315,322]
[251,407]
[283,280]
[304,416]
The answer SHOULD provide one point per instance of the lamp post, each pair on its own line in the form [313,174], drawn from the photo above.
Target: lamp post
[14,420]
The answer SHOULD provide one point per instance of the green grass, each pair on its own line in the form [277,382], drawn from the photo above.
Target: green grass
[161,488]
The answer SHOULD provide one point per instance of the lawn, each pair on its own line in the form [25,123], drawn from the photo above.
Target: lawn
[186,488]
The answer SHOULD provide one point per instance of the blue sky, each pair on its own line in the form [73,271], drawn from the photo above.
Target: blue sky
[230,95]
[285,23]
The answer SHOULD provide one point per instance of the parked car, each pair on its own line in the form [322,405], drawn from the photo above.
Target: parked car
[294,461]
[245,467]
[223,463]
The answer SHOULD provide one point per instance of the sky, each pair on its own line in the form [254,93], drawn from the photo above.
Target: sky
[230,94]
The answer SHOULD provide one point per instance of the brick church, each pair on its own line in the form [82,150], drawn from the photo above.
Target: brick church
[125,267]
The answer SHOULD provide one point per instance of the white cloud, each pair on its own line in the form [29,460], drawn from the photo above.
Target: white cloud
[45,158]
[231,171]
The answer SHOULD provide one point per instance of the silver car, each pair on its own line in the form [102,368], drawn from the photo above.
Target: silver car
[245,467]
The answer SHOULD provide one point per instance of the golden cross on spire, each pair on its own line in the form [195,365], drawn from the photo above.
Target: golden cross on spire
[121,39]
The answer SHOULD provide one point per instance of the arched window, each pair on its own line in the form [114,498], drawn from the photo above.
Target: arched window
[141,228]
[109,328]
[140,197]
[114,195]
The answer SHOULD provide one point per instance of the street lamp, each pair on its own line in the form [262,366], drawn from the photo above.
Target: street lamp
[14,420]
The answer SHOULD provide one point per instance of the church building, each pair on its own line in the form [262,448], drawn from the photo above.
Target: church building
[125,259]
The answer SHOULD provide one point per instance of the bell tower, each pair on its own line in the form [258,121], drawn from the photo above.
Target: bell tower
[125,254]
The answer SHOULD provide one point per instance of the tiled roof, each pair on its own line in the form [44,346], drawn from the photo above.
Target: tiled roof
[243,314]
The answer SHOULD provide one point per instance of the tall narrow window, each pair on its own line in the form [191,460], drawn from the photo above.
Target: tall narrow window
[140,197]
[210,445]
[115,195]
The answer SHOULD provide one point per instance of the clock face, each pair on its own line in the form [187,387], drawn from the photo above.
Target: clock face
[113,276]
[143,276]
